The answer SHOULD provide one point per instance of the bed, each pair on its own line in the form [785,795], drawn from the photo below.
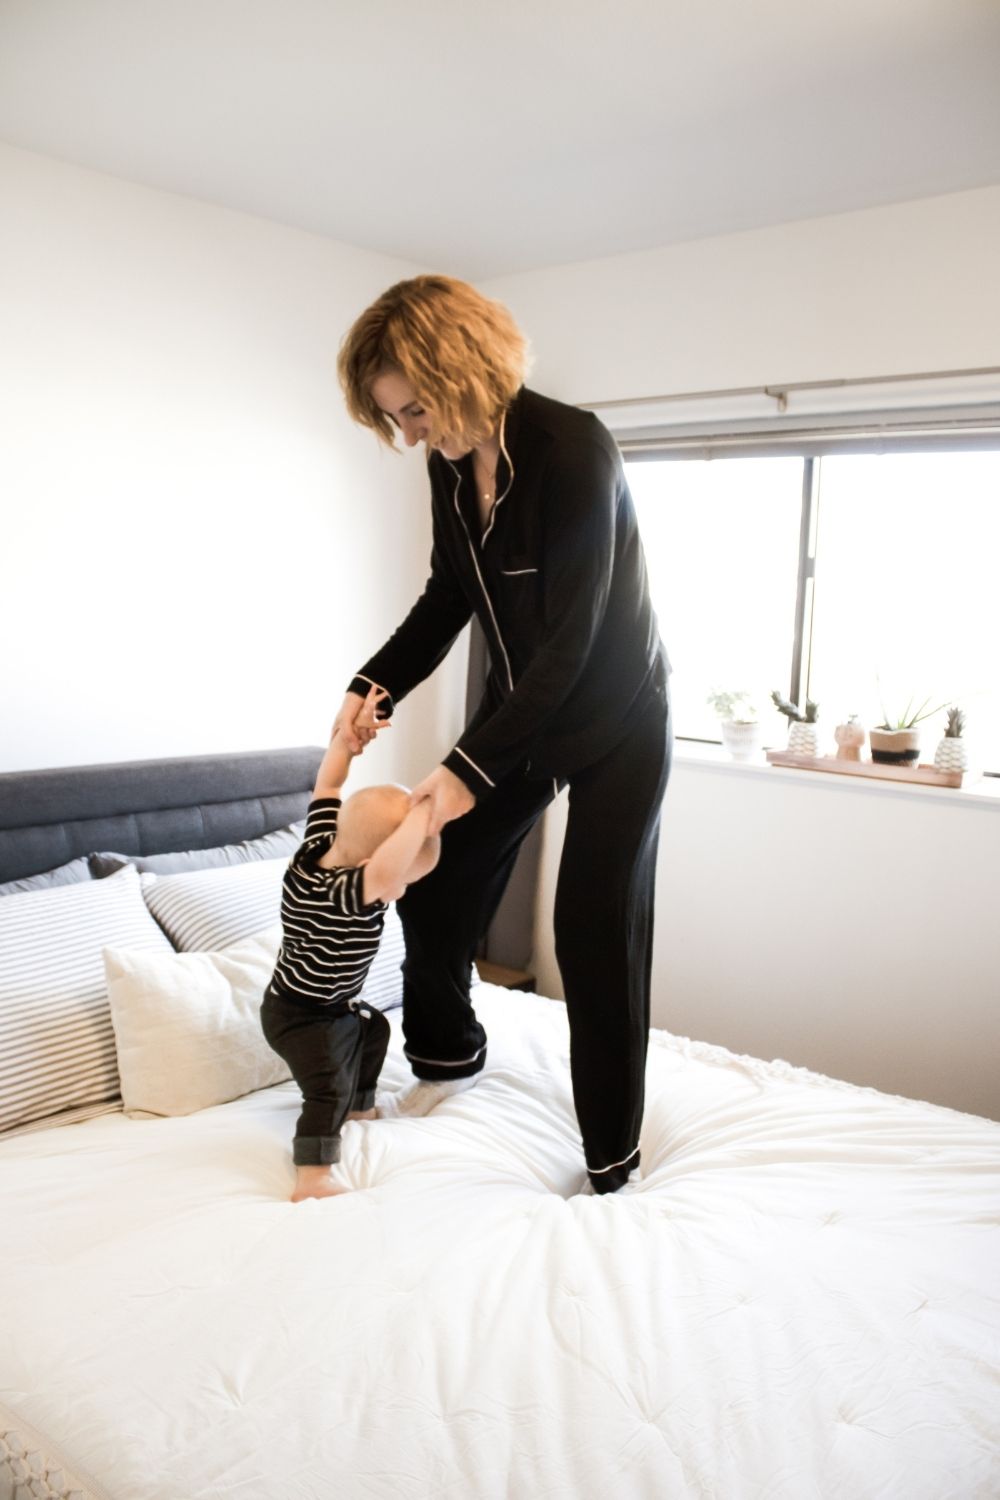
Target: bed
[797,1299]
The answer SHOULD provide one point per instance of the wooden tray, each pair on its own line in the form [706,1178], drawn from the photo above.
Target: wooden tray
[927,775]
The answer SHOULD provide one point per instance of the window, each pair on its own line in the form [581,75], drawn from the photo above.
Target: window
[722,546]
[859,578]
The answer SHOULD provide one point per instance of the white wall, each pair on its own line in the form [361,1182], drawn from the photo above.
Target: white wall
[198,546]
[849,929]
[845,930]
[890,291]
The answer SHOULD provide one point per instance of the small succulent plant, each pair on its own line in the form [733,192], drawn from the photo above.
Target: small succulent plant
[794,714]
[951,753]
[735,706]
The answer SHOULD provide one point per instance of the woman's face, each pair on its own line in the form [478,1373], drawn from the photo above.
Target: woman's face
[394,394]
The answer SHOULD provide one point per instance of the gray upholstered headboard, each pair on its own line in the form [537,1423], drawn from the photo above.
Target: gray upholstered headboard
[149,806]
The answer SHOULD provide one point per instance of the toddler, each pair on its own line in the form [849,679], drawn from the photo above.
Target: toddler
[355,858]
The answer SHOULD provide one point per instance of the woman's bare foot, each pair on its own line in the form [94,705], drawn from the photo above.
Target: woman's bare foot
[315,1182]
[421,1097]
[363,1114]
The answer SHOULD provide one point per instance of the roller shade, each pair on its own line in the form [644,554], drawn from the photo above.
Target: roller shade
[948,409]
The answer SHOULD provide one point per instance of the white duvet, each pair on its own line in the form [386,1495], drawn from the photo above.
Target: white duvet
[799,1300]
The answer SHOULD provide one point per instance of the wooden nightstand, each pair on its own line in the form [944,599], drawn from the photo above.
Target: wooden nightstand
[511,979]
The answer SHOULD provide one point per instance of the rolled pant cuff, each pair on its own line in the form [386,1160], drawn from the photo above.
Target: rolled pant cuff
[430,1070]
[316,1150]
[615,1177]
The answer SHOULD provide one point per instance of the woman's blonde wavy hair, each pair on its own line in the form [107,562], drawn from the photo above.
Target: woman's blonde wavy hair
[464,356]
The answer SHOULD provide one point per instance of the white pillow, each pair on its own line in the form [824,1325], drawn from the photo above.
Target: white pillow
[205,910]
[187,1025]
[57,1046]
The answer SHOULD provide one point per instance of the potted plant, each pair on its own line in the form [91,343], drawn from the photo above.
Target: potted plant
[950,754]
[803,728]
[738,721]
[896,741]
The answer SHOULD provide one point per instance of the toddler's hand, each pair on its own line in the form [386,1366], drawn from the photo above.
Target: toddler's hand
[355,728]
[368,718]
[449,798]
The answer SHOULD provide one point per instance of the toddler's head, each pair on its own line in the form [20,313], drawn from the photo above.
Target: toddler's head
[366,820]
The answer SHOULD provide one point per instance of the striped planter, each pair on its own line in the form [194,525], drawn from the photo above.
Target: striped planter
[895,747]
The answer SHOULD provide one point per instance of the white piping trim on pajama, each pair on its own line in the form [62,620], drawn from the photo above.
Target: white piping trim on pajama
[472,550]
[482,585]
[500,498]
[439,1062]
[596,1171]
[472,763]
[374,684]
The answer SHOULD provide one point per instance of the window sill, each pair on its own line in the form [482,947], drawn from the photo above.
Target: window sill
[976,790]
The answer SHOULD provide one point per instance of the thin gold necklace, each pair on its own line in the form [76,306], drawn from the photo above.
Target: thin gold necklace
[487,486]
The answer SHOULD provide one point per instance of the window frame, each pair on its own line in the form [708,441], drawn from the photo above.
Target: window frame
[648,430]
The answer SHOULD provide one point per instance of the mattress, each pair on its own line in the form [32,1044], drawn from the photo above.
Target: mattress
[797,1297]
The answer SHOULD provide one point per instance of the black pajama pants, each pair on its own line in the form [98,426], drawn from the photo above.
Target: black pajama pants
[603,929]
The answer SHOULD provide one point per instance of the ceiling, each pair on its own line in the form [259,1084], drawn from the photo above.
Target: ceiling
[482,139]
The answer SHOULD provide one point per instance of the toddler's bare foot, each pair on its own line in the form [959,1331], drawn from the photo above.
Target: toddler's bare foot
[363,1114]
[315,1182]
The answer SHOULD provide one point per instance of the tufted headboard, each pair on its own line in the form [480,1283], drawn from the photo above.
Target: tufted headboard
[149,806]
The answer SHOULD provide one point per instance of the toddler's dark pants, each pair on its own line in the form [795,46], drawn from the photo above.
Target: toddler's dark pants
[335,1055]
[603,928]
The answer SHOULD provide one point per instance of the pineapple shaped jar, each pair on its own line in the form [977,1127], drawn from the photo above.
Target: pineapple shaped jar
[803,726]
[950,754]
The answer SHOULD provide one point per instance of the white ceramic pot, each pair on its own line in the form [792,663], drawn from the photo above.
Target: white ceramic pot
[803,739]
[741,740]
[951,754]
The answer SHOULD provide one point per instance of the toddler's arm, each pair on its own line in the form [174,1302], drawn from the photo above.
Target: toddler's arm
[384,877]
[333,768]
[336,762]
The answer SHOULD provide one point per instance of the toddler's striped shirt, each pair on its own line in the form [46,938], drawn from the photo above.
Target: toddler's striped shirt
[330,937]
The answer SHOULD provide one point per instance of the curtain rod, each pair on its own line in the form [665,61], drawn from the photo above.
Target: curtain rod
[796,437]
[779,391]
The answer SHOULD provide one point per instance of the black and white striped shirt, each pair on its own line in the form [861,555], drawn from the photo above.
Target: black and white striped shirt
[330,937]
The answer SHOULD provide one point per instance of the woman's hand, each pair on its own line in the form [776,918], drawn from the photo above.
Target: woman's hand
[357,721]
[449,797]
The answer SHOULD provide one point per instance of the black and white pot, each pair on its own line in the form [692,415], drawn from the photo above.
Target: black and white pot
[895,747]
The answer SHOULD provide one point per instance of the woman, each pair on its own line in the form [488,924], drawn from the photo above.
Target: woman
[534,532]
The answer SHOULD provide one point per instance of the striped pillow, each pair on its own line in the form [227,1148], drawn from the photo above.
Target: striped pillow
[280,844]
[71,874]
[57,1046]
[205,910]
[383,988]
